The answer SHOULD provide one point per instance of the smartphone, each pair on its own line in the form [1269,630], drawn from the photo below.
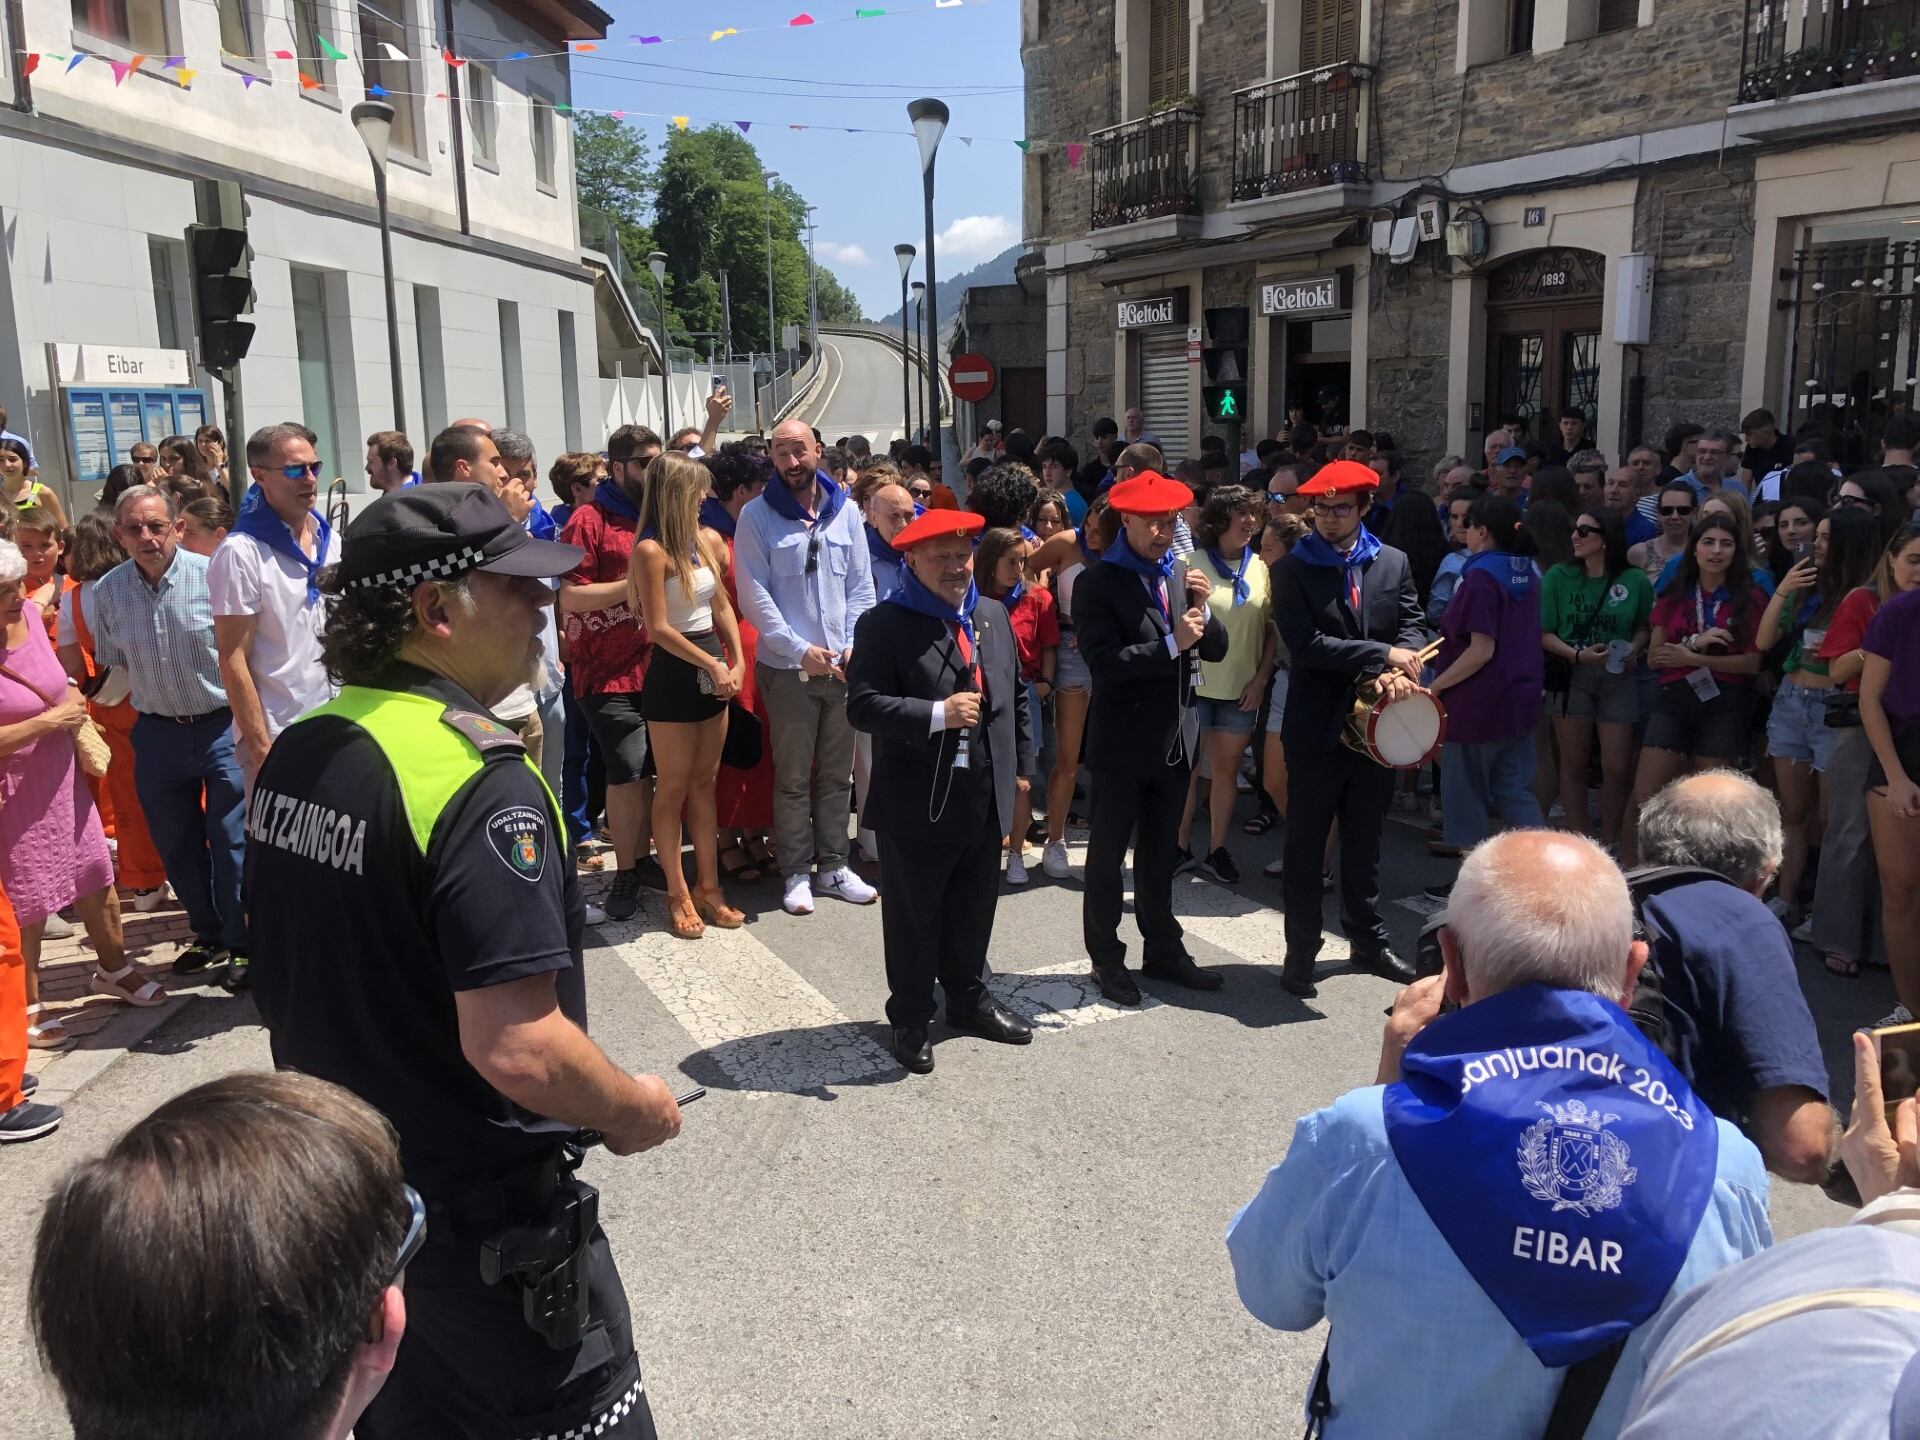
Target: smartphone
[1899,1049]
[1802,551]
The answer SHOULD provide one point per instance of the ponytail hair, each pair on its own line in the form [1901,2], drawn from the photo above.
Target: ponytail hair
[1500,517]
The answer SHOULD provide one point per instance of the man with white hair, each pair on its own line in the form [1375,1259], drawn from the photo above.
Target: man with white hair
[1529,1182]
[1740,1029]
[1496,441]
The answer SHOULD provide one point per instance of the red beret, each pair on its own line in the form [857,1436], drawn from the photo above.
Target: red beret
[1149,493]
[1341,477]
[936,524]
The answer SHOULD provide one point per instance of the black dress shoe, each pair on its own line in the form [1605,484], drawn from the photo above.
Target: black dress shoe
[1386,963]
[1305,989]
[1180,970]
[911,1049]
[1116,984]
[991,1020]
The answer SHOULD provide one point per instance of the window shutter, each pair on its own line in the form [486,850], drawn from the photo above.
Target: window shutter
[1168,52]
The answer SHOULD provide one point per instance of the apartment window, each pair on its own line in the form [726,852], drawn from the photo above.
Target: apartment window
[1615,15]
[314,351]
[1520,27]
[483,115]
[514,381]
[166,295]
[433,364]
[380,26]
[237,29]
[135,25]
[1168,53]
[311,20]
[570,380]
[543,138]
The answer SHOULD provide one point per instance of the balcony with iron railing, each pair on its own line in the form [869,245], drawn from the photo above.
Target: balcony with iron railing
[1300,142]
[1146,176]
[1813,51]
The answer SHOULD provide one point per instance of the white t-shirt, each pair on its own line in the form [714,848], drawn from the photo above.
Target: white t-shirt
[246,578]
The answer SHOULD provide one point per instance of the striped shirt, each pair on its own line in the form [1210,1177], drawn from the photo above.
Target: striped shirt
[162,635]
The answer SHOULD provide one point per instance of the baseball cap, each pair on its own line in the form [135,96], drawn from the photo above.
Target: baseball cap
[1512,452]
[440,532]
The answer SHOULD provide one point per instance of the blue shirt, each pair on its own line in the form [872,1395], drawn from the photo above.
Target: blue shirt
[161,635]
[1700,491]
[791,607]
[1337,1233]
[1445,579]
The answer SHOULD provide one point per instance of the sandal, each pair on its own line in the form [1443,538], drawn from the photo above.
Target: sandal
[682,919]
[746,872]
[1843,967]
[108,983]
[711,906]
[586,859]
[48,1034]
[758,852]
[1260,823]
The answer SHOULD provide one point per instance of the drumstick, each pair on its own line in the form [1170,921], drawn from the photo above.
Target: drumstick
[1423,656]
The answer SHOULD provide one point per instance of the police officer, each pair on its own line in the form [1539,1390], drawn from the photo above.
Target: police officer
[416,932]
[1348,610]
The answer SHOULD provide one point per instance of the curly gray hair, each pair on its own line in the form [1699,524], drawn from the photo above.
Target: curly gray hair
[13,565]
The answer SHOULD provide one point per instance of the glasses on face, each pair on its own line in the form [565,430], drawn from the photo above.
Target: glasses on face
[148,527]
[1587,531]
[920,492]
[416,1235]
[138,459]
[1328,510]
[302,472]
[1676,509]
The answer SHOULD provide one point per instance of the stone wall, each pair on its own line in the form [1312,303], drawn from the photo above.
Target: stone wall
[1407,357]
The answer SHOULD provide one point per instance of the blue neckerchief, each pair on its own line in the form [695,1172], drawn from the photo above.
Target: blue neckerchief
[1012,597]
[1087,557]
[1709,607]
[918,598]
[1809,608]
[714,516]
[781,501]
[1512,573]
[1121,553]
[1560,1155]
[1314,550]
[1241,589]
[539,523]
[256,518]
[880,552]
[611,498]
[1027,535]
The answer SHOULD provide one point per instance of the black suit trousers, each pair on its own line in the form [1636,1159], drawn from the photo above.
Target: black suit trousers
[1324,785]
[1144,810]
[936,917]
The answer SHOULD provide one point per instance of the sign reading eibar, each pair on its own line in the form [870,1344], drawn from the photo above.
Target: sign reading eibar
[1316,295]
[121,365]
[1159,310]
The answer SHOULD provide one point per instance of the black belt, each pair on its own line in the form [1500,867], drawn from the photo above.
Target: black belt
[473,1212]
[213,714]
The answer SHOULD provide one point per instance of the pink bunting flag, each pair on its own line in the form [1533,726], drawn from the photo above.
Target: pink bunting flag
[120,69]
[30,62]
[745,125]
[619,114]
[1074,152]
[801,19]
[283,54]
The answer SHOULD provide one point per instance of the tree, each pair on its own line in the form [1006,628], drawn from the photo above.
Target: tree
[610,169]
[837,303]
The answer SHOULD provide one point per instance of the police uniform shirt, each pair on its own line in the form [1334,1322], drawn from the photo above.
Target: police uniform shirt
[359,942]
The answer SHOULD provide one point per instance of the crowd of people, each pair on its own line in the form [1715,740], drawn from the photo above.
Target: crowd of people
[1666,713]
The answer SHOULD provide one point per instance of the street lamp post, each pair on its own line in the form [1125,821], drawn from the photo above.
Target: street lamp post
[920,390]
[657,263]
[813,294]
[769,176]
[929,119]
[374,120]
[904,254]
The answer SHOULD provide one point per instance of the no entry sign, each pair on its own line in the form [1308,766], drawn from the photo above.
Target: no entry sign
[971,377]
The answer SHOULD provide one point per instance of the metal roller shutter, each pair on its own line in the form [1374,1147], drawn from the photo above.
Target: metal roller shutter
[1163,390]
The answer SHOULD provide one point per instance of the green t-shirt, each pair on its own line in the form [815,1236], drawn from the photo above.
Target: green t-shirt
[1585,609]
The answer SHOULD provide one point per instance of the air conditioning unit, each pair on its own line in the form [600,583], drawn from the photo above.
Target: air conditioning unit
[1467,238]
[1431,213]
[1380,239]
[1406,239]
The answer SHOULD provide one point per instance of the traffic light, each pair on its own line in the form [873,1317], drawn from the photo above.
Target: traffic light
[223,291]
[1224,359]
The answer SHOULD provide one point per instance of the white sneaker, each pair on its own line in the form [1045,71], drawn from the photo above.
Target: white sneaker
[843,884]
[1054,860]
[799,897]
[148,901]
[1803,932]
[57,927]
[1016,868]
[595,915]
[1780,907]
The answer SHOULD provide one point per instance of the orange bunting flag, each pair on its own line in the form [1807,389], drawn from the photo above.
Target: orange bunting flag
[584,46]
[307,82]
[453,61]
[30,62]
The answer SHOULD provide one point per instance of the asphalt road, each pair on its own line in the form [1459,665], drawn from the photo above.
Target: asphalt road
[860,394]
[1026,1243]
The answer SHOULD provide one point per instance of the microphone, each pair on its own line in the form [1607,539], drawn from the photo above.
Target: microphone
[962,759]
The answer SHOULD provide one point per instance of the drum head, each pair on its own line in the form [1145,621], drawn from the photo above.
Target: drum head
[1406,731]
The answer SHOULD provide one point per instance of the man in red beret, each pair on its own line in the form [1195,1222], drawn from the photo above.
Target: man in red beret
[934,679]
[1143,622]
[1348,610]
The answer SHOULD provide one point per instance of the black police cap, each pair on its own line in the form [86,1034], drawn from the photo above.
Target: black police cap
[442,531]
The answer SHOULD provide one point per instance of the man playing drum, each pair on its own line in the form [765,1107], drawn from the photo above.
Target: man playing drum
[1349,612]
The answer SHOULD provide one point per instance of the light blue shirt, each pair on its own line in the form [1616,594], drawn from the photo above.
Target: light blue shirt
[1700,491]
[1452,566]
[1337,1233]
[161,635]
[790,607]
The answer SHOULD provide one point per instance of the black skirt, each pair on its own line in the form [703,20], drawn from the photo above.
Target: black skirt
[672,693]
[1906,744]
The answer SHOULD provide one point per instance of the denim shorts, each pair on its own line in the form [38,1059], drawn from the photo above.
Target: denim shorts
[1226,715]
[1717,729]
[1596,693]
[1797,728]
[1069,670]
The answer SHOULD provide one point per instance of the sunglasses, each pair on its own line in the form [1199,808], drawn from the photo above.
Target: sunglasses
[1586,531]
[1860,500]
[1676,509]
[813,552]
[301,472]
[920,492]
[416,1232]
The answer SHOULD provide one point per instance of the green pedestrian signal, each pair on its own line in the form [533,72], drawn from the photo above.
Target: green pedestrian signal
[1223,388]
[1228,409]
[1226,404]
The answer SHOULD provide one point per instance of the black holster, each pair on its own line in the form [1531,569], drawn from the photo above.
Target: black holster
[546,1259]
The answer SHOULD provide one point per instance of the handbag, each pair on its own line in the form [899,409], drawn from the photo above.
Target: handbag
[89,741]
[744,742]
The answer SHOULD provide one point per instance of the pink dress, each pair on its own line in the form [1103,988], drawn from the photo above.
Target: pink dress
[52,849]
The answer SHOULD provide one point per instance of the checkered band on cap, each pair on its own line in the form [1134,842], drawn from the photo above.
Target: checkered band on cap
[445,568]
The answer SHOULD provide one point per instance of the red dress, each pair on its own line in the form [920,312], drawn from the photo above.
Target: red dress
[744,798]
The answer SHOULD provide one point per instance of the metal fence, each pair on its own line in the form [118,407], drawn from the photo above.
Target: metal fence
[1797,47]
[1856,336]
[1300,131]
[1146,167]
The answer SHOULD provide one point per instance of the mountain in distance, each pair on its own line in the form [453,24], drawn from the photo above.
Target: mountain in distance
[947,293]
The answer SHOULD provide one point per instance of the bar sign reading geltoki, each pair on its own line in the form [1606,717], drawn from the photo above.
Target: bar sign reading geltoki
[1158,310]
[1318,295]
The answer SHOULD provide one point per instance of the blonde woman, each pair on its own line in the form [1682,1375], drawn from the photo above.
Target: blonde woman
[673,582]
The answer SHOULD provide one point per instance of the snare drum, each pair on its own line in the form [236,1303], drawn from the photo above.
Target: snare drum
[1401,734]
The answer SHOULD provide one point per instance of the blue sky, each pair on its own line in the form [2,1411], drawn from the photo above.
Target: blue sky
[836,73]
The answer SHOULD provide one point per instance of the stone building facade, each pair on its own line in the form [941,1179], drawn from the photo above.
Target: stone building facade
[1427,217]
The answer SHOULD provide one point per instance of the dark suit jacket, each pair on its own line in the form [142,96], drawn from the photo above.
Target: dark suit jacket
[1139,689]
[1329,647]
[902,663]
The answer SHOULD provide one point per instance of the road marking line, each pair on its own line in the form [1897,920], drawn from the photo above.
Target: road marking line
[1061,997]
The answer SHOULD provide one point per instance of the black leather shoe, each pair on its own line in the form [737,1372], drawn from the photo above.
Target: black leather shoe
[1305,989]
[1116,984]
[991,1020]
[1386,963]
[911,1049]
[1180,970]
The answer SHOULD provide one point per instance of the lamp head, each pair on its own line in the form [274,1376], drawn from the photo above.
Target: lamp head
[919,291]
[904,254]
[374,120]
[929,119]
[657,263]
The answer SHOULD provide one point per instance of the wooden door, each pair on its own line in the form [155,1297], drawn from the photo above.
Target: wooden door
[1543,340]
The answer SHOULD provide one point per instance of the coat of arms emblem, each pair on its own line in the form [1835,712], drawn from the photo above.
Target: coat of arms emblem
[1573,1162]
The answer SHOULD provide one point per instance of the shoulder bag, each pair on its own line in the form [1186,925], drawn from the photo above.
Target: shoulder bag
[89,741]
